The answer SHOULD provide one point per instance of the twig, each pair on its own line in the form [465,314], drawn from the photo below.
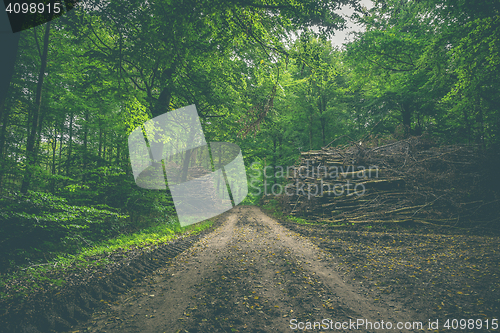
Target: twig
[49,263]
[83,240]
[222,327]
[296,203]
[430,203]
[337,139]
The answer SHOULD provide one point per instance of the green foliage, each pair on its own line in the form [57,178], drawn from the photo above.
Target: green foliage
[135,115]
[434,63]
[272,207]
[46,276]
[39,222]
[297,220]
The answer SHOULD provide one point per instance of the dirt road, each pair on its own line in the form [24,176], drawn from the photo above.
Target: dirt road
[250,275]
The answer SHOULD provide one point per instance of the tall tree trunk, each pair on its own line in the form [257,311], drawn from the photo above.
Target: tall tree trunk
[61,145]
[187,154]
[99,151]
[33,135]
[163,103]
[53,169]
[10,43]
[280,148]
[310,128]
[406,115]
[160,107]
[479,122]
[322,118]
[323,132]
[468,127]
[275,158]
[5,123]
[39,136]
[70,143]
[220,166]
[85,145]
[104,147]
[118,161]
[4,120]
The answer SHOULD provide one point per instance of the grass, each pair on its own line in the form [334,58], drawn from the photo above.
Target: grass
[50,275]
[274,210]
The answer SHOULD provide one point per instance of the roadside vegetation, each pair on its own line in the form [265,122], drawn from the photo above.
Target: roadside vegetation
[51,274]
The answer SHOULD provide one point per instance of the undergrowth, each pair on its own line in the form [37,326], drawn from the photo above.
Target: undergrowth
[273,209]
[51,275]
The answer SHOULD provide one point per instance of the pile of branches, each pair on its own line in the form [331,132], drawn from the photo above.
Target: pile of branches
[408,181]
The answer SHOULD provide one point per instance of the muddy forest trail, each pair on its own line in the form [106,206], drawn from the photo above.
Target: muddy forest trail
[250,274]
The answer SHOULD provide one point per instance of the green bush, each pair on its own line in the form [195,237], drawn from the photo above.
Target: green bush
[37,223]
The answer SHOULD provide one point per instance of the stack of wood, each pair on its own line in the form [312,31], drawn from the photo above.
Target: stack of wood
[403,181]
[329,182]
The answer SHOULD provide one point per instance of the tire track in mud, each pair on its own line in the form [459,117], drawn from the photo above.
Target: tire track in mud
[59,311]
[249,275]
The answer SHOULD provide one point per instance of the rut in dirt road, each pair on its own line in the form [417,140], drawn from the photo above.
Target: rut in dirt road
[249,275]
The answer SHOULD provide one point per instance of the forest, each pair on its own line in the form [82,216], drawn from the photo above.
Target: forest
[263,74]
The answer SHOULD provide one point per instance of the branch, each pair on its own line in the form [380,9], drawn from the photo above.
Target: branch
[427,204]
[258,5]
[95,34]
[389,69]
[394,58]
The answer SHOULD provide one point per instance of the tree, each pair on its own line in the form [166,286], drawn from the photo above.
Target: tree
[36,117]
[386,58]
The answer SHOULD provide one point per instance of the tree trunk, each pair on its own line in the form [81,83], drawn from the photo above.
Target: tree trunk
[70,143]
[163,102]
[275,158]
[5,123]
[322,118]
[479,122]
[53,169]
[104,147]
[406,115]
[118,161]
[4,120]
[323,132]
[280,147]
[33,135]
[100,142]
[60,145]
[468,129]
[310,128]
[220,162]
[10,43]
[85,144]
[39,138]
[187,155]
